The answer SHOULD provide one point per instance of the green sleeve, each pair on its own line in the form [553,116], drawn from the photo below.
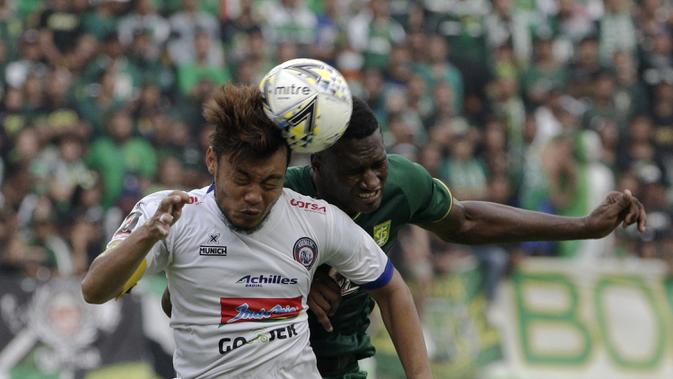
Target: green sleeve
[429,199]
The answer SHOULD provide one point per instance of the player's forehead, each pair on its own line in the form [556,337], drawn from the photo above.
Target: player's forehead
[357,152]
[261,168]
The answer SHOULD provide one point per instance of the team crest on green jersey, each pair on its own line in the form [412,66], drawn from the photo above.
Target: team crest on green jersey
[382,233]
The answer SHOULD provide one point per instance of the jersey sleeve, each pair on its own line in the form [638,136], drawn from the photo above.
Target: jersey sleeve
[430,200]
[158,258]
[353,253]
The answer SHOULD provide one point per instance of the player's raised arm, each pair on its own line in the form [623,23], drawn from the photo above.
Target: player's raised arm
[112,269]
[475,222]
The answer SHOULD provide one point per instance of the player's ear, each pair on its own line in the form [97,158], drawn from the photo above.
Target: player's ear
[211,160]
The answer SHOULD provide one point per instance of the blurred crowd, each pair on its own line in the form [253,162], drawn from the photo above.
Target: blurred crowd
[541,104]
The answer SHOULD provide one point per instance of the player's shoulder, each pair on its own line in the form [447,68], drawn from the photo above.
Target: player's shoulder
[406,175]
[198,195]
[152,200]
[427,197]
[401,164]
[315,216]
[304,204]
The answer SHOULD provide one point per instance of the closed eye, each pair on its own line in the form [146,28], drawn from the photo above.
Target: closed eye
[271,186]
[241,180]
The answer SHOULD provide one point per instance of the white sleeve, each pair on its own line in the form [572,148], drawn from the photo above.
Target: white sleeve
[354,253]
[158,257]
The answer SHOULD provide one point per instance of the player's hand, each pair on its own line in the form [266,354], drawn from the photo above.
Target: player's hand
[324,297]
[168,212]
[617,208]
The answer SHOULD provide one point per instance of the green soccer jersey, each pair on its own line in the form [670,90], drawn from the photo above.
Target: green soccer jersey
[410,196]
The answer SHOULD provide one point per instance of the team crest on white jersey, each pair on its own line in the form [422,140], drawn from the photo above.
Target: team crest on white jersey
[305,251]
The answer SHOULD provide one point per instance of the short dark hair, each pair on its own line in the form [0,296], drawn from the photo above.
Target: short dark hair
[241,127]
[363,121]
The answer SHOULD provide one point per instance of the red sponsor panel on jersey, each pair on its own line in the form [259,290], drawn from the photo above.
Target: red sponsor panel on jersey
[245,309]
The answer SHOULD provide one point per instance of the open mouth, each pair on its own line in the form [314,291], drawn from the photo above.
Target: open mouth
[369,196]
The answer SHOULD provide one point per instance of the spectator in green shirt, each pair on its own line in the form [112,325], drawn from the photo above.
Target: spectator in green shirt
[119,154]
[102,20]
[191,74]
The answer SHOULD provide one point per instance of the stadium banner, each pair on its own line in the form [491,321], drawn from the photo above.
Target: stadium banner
[460,339]
[565,319]
[47,331]
[554,319]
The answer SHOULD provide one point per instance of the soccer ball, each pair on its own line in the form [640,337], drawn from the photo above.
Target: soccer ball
[310,101]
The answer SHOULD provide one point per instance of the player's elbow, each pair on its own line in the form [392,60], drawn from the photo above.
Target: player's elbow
[92,294]
[93,299]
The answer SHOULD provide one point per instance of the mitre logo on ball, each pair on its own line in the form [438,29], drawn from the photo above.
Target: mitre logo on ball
[310,101]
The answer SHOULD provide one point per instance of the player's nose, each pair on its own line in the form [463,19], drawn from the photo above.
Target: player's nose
[253,196]
[370,181]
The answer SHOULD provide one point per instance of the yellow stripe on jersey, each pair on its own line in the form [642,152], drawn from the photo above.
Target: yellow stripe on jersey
[450,197]
[134,279]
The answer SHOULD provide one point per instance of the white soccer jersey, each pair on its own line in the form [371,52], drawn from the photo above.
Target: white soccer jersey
[239,300]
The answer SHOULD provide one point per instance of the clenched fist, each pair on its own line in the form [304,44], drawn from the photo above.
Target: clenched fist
[617,208]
